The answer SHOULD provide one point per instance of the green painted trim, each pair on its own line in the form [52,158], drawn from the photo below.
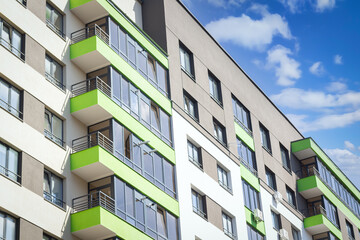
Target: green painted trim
[145,42]
[310,143]
[96,97]
[249,177]
[259,226]
[94,43]
[244,136]
[120,169]
[315,182]
[99,216]
[321,219]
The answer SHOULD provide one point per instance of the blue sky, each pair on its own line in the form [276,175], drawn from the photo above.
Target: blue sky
[305,55]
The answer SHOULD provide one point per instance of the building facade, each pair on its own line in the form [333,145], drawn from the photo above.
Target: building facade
[125,119]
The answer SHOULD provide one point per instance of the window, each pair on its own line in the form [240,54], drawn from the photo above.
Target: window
[253,234]
[285,158]
[291,196]
[8,225]
[219,132]
[242,115]
[331,212]
[265,138]
[194,154]
[54,19]
[224,180]
[10,98]
[47,237]
[186,61]
[296,234]
[215,88]
[270,178]
[9,162]
[276,220]
[251,197]
[53,128]
[191,106]
[53,188]
[246,155]
[228,225]
[350,230]
[54,72]
[12,39]
[23,2]
[198,202]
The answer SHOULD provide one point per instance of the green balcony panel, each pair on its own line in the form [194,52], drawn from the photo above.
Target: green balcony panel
[312,186]
[93,53]
[90,10]
[94,163]
[244,136]
[249,177]
[94,106]
[98,223]
[306,148]
[319,224]
[259,226]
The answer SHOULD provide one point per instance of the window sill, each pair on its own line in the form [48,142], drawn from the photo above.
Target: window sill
[6,110]
[60,34]
[189,74]
[61,208]
[203,216]
[287,169]
[229,190]
[267,150]
[193,117]
[63,147]
[12,180]
[198,165]
[217,101]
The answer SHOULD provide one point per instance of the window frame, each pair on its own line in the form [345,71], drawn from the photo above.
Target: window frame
[219,127]
[273,178]
[291,194]
[9,45]
[266,143]
[198,163]
[48,237]
[285,162]
[10,89]
[49,76]
[222,174]
[200,203]
[252,199]
[229,220]
[215,88]
[16,221]
[298,233]
[350,230]
[5,168]
[46,195]
[183,50]
[236,104]
[51,24]
[189,99]
[278,219]
[50,135]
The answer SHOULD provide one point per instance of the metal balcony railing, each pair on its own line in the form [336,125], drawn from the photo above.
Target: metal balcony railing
[91,84]
[91,140]
[243,126]
[247,165]
[57,30]
[199,212]
[12,49]
[315,210]
[54,138]
[54,81]
[88,32]
[10,109]
[9,174]
[54,200]
[93,200]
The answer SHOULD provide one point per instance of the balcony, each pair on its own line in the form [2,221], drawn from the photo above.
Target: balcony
[310,185]
[93,158]
[316,222]
[93,218]
[92,103]
[90,10]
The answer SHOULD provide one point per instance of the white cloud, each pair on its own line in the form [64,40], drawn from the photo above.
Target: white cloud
[336,87]
[250,33]
[359,148]
[338,59]
[330,121]
[292,5]
[225,3]
[349,145]
[322,5]
[286,68]
[348,162]
[317,69]
[297,98]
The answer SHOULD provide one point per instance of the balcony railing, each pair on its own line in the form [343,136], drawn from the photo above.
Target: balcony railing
[87,32]
[311,170]
[89,85]
[54,138]
[9,174]
[10,109]
[247,165]
[12,49]
[199,212]
[316,210]
[57,201]
[93,200]
[247,130]
[54,28]
[54,81]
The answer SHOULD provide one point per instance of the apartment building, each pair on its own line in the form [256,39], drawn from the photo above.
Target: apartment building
[125,119]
